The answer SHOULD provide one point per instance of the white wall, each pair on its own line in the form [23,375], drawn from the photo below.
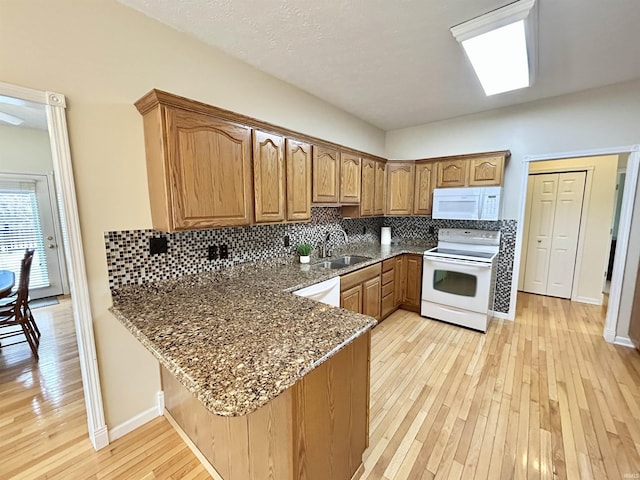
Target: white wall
[598,216]
[597,118]
[104,56]
[24,150]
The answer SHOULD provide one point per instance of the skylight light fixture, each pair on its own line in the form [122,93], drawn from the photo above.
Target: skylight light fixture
[501,46]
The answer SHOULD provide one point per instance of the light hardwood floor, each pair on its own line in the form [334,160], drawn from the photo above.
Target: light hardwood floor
[43,425]
[544,397]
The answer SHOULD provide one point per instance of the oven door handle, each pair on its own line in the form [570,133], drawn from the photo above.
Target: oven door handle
[453,261]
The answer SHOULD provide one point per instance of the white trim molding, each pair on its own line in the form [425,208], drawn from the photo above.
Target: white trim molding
[63,173]
[623,341]
[137,421]
[624,228]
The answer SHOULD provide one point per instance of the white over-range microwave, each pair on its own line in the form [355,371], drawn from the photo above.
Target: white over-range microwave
[469,203]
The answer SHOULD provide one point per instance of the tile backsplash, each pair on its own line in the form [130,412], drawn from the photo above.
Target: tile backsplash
[129,261]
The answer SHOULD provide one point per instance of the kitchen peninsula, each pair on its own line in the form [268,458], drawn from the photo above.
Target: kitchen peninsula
[265,383]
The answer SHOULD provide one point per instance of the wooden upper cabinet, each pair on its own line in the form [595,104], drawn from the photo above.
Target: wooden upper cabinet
[452,173]
[326,175]
[199,170]
[400,188]
[367,198]
[349,178]
[268,177]
[487,171]
[379,198]
[298,161]
[423,191]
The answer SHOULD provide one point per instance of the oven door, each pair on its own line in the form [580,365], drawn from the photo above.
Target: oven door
[464,284]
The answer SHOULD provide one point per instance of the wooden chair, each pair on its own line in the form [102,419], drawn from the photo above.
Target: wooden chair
[16,315]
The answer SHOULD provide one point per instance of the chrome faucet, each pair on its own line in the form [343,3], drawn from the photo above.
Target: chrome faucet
[325,250]
[346,237]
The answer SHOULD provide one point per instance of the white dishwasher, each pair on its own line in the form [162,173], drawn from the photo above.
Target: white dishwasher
[326,292]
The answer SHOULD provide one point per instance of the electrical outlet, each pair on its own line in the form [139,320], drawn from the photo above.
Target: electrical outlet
[287,241]
[212,252]
[158,245]
[224,252]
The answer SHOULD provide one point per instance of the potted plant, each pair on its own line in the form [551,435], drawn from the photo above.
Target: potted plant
[304,249]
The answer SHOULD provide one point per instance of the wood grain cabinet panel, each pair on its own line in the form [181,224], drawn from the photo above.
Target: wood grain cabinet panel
[371,297]
[399,270]
[326,175]
[209,164]
[351,299]
[268,177]
[400,188]
[350,178]
[367,198]
[413,282]
[423,189]
[487,171]
[298,161]
[198,165]
[452,173]
[379,198]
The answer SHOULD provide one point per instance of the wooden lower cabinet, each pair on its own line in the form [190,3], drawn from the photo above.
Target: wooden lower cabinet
[360,291]
[413,282]
[317,429]
[388,303]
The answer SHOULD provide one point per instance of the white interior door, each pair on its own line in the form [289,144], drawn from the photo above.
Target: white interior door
[27,220]
[566,228]
[554,226]
[543,209]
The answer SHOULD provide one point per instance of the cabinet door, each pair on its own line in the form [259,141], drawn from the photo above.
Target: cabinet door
[371,298]
[413,283]
[367,200]
[399,188]
[486,171]
[423,191]
[350,178]
[298,160]
[209,163]
[399,280]
[452,173]
[351,299]
[268,177]
[379,194]
[326,175]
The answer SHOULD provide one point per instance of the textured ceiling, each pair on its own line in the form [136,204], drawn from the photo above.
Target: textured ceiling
[395,63]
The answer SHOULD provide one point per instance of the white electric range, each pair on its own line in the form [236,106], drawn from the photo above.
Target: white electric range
[459,276]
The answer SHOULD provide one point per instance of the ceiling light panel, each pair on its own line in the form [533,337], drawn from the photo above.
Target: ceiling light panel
[501,47]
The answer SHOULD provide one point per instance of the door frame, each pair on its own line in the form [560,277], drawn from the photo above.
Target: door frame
[55,104]
[624,229]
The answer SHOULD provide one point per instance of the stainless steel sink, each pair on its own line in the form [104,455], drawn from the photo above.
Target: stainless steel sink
[341,262]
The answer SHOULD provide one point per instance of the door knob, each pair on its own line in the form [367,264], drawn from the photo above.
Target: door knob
[51,245]
[49,237]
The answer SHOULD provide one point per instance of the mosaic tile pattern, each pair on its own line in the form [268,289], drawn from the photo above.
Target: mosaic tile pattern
[425,228]
[130,263]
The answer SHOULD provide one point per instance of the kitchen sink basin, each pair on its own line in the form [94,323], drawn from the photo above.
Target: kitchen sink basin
[341,262]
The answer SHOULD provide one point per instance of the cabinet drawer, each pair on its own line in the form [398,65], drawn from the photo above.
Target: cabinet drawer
[388,264]
[349,280]
[387,277]
[388,289]
[388,305]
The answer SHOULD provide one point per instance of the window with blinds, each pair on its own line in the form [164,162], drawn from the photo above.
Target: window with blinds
[20,229]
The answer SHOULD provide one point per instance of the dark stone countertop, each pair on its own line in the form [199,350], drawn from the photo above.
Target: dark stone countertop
[237,338]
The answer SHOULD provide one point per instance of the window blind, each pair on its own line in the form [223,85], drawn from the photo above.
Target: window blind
[20,229]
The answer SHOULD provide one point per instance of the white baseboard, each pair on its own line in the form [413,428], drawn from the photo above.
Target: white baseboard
[610,335]
[139,420]
[592,301]
[623,341]
[100,438]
